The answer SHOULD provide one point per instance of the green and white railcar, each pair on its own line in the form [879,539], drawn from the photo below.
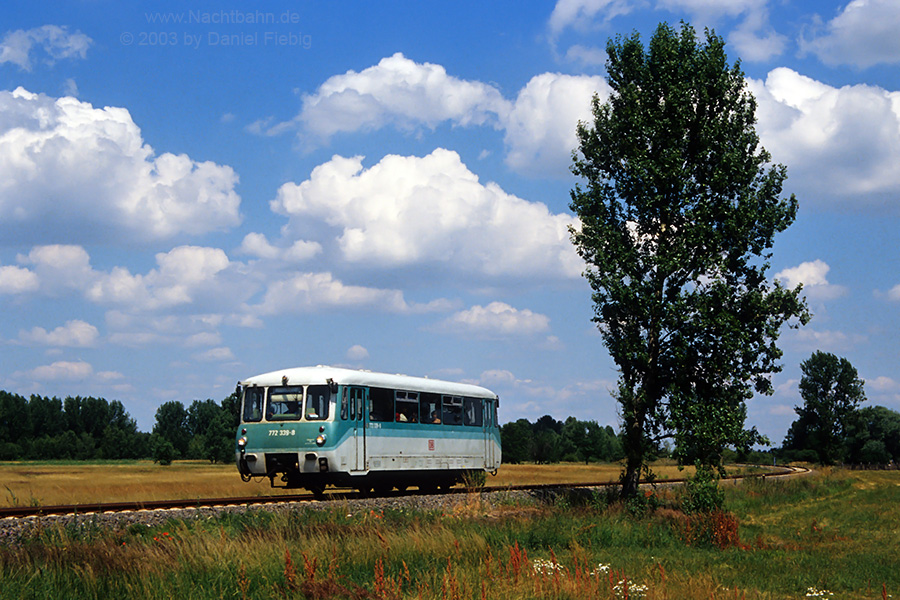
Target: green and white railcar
[311,427]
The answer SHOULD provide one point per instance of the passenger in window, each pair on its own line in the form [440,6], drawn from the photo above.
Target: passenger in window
[435,419]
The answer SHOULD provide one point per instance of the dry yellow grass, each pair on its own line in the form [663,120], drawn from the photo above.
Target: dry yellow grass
[573,473]
[46,484]
[49,484]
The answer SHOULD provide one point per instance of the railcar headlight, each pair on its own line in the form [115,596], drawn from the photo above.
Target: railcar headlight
[242,443]
[320,439]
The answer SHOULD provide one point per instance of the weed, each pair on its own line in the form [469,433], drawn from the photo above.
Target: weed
[549,551]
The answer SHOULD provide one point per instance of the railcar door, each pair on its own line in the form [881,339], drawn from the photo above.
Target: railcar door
[358,402]
[487,426]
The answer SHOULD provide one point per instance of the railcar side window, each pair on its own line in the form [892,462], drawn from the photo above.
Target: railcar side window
[429,408]
[253,404]
[381,404]
[452,410]
[318,397]
[473,412]
[285,403]
[407,407]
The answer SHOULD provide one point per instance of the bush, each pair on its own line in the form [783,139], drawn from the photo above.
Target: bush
[702,493]
[874,452]
[163,451]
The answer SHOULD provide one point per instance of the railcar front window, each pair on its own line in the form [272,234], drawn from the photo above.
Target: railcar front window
[285,403]
[318,398]
[253,404]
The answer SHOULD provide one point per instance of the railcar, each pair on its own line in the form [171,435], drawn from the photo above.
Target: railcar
[313,427]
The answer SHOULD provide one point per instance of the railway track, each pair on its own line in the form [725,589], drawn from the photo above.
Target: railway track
[19,512]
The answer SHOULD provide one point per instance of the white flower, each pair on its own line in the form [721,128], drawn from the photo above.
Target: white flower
[635,591]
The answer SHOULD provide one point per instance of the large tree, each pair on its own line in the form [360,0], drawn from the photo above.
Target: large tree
[678,208]
[831,390]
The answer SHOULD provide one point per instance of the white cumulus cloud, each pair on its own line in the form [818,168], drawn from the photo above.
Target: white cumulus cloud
[497,318]
[308,292]
[357,352]
[400,92]
[16,280]
[841,144]
[863,34]
[75,333]
[74,172]
[813,276]
[540,129]
[185,275]
[257,245]
[409,210]
[62,370]
[57,43]
[582,14]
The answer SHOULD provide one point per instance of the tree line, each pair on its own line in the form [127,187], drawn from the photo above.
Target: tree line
[87,428]
[830,427]
[550,441]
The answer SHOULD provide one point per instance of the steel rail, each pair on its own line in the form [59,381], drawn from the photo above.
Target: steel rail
[114,507]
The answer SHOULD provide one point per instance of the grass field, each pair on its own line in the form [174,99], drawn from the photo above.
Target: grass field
[46,484]
[832,534]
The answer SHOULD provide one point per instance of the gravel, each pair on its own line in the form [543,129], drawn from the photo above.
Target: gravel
[14,530]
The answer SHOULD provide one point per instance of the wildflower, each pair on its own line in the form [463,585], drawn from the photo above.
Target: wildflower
[600,570]
[813,592]
[628,589]
[543,566]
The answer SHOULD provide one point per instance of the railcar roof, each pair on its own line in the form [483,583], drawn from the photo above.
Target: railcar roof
[319,374]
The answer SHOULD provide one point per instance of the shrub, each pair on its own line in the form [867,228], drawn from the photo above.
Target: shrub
[163,452]
[702,493]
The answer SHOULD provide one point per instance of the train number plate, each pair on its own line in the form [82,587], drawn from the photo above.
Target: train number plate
[281,432]
[431,445]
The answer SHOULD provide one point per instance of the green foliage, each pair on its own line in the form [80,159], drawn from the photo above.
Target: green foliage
[678,214]
[76,428]
[702,493]
[642,504]
[87,428]
[172,426]
[164,451]
[551,441]
[872,436]
[831,390]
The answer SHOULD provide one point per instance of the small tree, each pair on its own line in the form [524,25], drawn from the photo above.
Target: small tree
[678,211]
[831,390]
[172,426]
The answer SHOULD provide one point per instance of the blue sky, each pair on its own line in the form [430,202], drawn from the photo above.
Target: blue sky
[193,193]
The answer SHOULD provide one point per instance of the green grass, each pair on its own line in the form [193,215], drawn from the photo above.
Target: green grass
[833,530]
